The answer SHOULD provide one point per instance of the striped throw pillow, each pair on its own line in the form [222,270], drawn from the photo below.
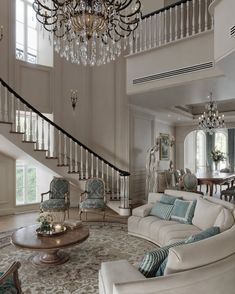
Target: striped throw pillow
[153,259]
[161,210]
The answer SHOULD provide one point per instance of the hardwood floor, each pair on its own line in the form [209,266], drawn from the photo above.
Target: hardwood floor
[11,222]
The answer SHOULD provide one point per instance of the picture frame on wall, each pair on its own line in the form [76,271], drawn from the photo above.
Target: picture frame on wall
[164,146]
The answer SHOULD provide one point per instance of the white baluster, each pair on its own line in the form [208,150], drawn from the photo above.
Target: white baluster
[160,28]
[48,140]
[18,116]
[87,175]
[141,35]
[92,165]
[59,148]
[165,24]
[107,178]
[65,150]
[25,124]
[97,167]
[212,21]
[155,30]
[145,33]
[182,20]
[37,133]
[150,32]
[136,39]
[199,16]
[176,22]
[170,37]
[193,18]
[206,16]
[43,136]
[1,103]
[112,182]
[30,125]
[118,191]
[13,112]
[6,113]
[81,163]
[70,155]
[187,21]
[102,169]
[76,157]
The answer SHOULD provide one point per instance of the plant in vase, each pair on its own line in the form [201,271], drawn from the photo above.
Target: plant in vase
[217,156]
[45,219]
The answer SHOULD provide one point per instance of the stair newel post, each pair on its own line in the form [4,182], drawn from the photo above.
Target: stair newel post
[92,165]
[87,172]
[193,18]
[48,139]
[199,16]
[81,162]
[124,195]
[97,167]
[6,110]
[18,129]
[43,136]
[59,148]
[206,16]
[76,157]
[70,155]
[65,150]
[30,125]
[181,20]
[118,186]
[25,123]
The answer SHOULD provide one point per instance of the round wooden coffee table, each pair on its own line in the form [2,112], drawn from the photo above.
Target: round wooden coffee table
[48,246]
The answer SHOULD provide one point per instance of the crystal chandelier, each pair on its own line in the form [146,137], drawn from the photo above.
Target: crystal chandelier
[211,120]
[91,32]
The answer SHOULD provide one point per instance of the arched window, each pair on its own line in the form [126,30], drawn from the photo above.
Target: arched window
[32,44]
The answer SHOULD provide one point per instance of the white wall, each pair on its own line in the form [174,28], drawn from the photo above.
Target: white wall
[151,5]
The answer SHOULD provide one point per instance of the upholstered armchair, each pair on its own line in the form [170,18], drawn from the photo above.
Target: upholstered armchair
[9,280]
[58,196]
[93,198]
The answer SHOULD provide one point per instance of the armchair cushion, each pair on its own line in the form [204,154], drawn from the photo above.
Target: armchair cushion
[8,287]
[92,203]
[53,204]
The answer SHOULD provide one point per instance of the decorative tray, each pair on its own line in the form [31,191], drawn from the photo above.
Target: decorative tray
[51,233]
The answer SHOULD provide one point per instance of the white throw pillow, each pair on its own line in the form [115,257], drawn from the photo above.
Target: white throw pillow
[205,214]
[224,220]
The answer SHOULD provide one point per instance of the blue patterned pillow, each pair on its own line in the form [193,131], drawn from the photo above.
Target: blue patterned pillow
[161,210]
[168,199]
[153,259]
[183,211]
[203,235]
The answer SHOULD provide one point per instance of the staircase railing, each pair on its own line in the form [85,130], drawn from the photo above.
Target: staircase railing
[47,136]
[175,22]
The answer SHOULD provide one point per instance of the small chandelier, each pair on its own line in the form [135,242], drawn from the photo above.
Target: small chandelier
[211,120]
[91,32]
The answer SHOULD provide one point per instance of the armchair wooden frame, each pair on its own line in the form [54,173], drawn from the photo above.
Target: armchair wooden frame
[12,270]
[67,202]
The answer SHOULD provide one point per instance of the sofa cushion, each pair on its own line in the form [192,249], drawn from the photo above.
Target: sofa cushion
[153,259]
[168,199]
[162,210]
[203,235]
[183,194]
[183,210]
[143,210]
[224,220]
[205,214]
[223,203]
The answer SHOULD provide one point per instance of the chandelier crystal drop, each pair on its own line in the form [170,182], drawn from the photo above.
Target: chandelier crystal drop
[211,120]
[91,32]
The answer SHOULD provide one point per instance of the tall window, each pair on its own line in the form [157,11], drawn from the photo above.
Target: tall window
[200,151]
[221,143]
[26,31]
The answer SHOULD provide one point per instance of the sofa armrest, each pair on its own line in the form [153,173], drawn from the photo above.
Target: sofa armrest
[120,271]
[143,210]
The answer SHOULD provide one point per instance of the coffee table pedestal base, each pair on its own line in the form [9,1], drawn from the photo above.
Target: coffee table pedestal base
[50,258]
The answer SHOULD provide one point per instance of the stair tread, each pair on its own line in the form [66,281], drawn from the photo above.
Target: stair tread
[25,141]
[15,132]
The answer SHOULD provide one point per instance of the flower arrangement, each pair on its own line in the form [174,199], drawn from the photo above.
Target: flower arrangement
[217,155]
[45,219]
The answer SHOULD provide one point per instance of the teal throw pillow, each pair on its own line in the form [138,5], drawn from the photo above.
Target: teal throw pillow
[183,211]
[161,210]
[153,259]
[212,231]
[168,199]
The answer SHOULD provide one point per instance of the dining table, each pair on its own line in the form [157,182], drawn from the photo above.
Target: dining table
[214,178]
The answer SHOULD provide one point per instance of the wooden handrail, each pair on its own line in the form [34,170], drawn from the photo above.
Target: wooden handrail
[122,172]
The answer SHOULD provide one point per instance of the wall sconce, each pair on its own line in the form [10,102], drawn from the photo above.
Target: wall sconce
[74,98]
[1,33]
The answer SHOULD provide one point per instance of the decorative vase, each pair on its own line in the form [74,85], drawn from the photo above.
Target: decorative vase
[216,166]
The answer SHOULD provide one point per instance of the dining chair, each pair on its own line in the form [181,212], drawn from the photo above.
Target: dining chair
[9,280]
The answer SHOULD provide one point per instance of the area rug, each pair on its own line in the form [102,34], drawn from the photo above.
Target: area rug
[79,275]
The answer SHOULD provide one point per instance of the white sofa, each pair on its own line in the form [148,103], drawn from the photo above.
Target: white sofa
[206,266]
